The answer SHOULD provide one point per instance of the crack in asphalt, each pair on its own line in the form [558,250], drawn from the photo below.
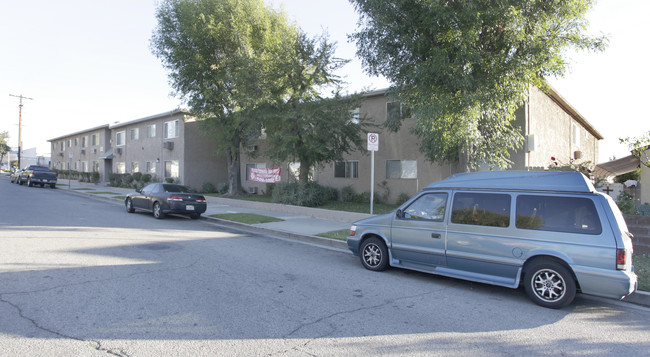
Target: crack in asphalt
[297,348]
[97,343]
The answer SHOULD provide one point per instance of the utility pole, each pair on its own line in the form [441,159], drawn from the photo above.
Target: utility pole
[20,124]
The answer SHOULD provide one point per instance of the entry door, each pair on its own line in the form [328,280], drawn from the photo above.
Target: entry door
[418,232]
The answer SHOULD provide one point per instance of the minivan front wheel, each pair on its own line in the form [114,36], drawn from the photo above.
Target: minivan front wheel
[549,284]
[374,254]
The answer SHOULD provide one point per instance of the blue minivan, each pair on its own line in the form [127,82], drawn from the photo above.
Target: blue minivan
[551,232]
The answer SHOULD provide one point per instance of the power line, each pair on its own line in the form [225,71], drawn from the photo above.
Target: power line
[20,122]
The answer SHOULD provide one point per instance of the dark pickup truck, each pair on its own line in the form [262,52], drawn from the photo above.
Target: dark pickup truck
[37,175]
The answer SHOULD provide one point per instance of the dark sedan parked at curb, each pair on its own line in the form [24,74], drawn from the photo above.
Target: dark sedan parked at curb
[165,198]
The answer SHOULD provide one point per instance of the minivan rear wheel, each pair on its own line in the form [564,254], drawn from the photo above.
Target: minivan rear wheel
[374,254]
[549,284]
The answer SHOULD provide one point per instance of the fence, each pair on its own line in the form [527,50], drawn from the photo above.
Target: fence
[639,226]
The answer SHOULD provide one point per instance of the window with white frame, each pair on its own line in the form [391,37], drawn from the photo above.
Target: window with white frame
[253,166]
[171,129]
[76,141]
[135,134]
[171,168]
[120,167]
[151,131]
[151,167]
[84,141]
[401,169]
[120,137]
[69,143]
[575,135]
[395,110]
[84,166]
[346,169]
[135,166]
[94,140]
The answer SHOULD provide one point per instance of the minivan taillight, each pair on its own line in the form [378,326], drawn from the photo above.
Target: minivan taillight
[621,255]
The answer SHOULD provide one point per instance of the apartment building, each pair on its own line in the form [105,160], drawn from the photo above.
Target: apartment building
[171,145]
[166,145]
[550,125]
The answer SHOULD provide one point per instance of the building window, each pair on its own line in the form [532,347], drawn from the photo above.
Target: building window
[253,166]
[171,168]
[347,169]
[151,131]
[84,166]
[135,166]
[171,129]
[76,141]
[401,169]
[355,115]
[84,141]
[575,135]
[69,143]
[395,110]
[135,134]
[151,167]
[94,140]
[119,138]
[120,167]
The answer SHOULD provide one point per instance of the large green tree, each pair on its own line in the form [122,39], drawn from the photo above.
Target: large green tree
[465,66]
[302,125]
[639,146]
[220,55]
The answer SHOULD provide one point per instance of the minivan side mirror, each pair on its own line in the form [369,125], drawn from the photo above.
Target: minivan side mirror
[399,213]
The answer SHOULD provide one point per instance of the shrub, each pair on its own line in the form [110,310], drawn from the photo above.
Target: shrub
[625,203]
[128,179]
[269,189]
[402,198]
[137,176]
[169,179]
[94,177]
[363,197]
[146,178]
[208,187]
[347,194]
[222,188]
[302,194]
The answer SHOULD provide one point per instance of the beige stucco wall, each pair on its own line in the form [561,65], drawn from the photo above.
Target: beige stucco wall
[551,124]
[89,153]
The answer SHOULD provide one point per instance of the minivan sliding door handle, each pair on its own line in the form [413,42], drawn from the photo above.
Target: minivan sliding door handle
[435,235]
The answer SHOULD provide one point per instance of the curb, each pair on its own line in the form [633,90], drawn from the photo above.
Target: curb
[639,298]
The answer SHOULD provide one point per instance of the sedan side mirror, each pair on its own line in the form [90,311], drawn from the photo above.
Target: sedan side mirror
[138,190]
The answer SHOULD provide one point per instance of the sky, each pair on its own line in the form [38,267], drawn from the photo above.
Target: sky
[87,63]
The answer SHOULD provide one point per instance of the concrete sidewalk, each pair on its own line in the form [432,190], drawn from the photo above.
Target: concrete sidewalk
[302,223]
[299,223]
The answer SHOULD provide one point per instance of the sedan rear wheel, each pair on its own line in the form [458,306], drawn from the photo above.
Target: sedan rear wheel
[157,211]
[129,206]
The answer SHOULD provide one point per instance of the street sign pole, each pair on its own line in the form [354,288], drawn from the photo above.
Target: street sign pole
[372,180]
[373,145]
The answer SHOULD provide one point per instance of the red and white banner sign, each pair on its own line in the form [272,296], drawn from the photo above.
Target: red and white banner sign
[264,175]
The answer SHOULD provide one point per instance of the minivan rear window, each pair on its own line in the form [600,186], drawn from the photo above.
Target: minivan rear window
[481,209]
[557,214]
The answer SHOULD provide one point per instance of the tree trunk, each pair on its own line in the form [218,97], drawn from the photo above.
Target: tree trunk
[304,172]
[234,173]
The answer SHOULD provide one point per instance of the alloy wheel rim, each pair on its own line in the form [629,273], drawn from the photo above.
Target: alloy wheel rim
[548,285]
[372,255]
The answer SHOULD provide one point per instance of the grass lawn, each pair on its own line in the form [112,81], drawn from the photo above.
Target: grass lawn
[247,218]
[104,193]
[642,270]
[338,235]
[83,189]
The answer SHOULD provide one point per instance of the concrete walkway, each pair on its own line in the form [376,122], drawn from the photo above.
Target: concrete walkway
[299,223]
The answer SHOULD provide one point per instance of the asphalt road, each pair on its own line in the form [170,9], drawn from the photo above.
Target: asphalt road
[81,277]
